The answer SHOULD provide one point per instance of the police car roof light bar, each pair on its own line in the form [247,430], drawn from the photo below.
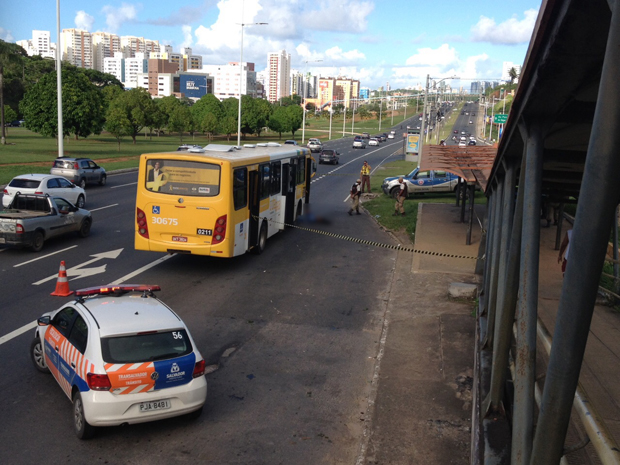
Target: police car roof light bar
[121,288]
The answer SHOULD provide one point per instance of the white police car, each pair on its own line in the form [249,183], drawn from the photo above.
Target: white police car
[122,356]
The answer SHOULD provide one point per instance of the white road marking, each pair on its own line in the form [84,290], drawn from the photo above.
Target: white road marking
[33,324]
[125,185]
[17,332]
[45,256]
[103,208]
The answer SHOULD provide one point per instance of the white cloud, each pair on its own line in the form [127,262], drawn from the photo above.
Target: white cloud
[438,59]
[333,14]
[337,54]
[187,37]
[116,17]
[510,32]
[84,21]
[6,35]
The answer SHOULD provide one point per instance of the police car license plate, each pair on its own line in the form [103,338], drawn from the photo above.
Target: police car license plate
[155,405]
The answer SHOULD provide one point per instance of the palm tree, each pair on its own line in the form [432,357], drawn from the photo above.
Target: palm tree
[8,55]
[512,72]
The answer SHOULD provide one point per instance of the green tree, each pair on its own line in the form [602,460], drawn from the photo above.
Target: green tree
[263,110]
[279,120]
[9,54]
[117,124]
[512,72]
[295,114]
[102,80]
[82,105]
[180,120]
[228,126]
[208,104]
[137,106]
[158,119]
[210,124]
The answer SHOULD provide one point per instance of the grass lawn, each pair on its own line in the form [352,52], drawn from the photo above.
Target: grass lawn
[382,206]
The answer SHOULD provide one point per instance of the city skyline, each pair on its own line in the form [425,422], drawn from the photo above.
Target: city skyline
[374,43]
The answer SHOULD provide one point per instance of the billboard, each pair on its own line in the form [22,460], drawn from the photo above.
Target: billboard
[413,141]
[195,85]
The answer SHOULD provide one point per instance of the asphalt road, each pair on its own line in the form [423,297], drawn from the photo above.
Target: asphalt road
[304,319]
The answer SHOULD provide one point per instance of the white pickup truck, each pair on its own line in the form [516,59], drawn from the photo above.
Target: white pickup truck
[31,219]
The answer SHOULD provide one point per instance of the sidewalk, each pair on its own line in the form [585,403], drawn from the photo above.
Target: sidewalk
[423,403]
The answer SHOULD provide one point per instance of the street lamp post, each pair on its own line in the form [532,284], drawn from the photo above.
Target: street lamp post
[303,87]
[59,83]
[353,120]
[428,78]
[242,24]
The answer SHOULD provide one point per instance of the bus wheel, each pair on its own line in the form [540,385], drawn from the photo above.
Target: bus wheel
[262,239]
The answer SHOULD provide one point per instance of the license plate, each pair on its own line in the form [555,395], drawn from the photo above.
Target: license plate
[155,405]
[179,239]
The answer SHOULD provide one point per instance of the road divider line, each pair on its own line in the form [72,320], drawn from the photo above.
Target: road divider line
[144,268]
[44,256]
[18,332]
[103,208]
[124,185]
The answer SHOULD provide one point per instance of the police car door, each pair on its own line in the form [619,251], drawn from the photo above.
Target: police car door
[422,182]
[60,353]
[441,181]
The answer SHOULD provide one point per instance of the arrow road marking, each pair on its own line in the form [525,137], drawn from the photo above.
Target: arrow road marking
[80,272]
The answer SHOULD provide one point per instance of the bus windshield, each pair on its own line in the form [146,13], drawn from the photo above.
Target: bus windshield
[179,177]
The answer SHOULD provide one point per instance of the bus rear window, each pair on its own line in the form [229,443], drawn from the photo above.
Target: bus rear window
[180,177]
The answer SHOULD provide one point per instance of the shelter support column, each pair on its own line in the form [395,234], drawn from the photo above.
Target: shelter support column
[599,195]
[494,258]
[507,296]
[527,305]
[487,262]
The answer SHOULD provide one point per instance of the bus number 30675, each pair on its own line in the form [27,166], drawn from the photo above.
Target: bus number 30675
[170,221]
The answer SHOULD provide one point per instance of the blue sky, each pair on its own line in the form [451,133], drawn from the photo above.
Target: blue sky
[395,41]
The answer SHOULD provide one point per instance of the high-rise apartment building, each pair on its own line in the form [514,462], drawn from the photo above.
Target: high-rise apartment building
[226,79]
[77,47]
[340,91]
[139,64]
[39,45]
[105,45]
[115,66]
[130,45]
[506,70]
[279,68]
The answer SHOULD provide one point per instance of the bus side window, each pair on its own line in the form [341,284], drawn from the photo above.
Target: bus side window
[301,171]
[265,181]
[276,177]
[240,188]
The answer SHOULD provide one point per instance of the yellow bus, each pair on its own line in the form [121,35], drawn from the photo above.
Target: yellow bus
[220,201]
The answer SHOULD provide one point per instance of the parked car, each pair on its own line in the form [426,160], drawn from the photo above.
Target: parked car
[419,182]
[31,219]
[373,141]
[314,145]
[55,186]
[329,156]
[359,143]
[79,171]
[121,356]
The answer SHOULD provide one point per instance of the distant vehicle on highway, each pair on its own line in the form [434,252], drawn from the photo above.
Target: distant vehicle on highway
[373,141]
[55,186]
[79,171]
[314,145]
[359,143]
[329,156]
[291,142]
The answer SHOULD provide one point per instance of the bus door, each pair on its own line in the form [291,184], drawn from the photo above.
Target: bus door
[289,180]
[310,169]
[254,208]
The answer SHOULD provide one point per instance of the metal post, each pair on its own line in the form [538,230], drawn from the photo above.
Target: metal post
[494,254]
[463,195]
[423,125]
[487,251]
[472,190]
[331,112]
[527,307]
[61,136]
[598,199]
[344,121]
[507,296]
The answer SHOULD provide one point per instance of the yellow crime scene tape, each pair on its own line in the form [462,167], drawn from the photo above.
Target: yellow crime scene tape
[376,244]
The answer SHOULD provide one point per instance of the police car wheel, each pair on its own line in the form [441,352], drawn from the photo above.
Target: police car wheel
[36,354]
[82,429]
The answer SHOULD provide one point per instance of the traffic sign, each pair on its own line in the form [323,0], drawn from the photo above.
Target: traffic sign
[500,118]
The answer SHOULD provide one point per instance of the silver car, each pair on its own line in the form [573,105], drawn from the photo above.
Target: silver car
[79,171]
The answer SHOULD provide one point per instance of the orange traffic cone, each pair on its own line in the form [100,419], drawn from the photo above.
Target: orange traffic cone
[62,285]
